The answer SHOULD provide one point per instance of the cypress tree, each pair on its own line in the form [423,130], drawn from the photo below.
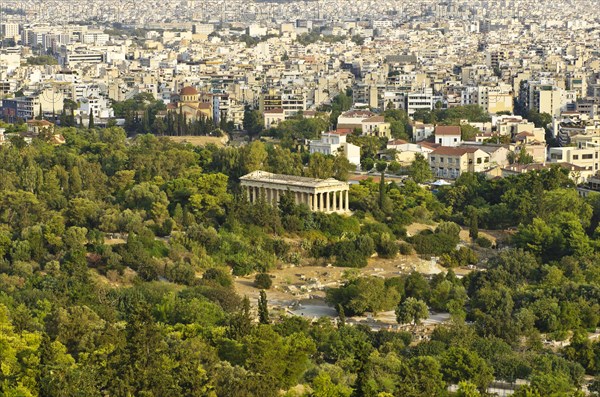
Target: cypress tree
[263,310]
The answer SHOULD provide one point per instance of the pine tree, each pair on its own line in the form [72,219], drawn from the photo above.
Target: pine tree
[241,322]
[263,310]
[473,225]
[63,118]
[341,315]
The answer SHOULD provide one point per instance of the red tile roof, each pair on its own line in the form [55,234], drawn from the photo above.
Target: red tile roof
[454,151]
[447,130]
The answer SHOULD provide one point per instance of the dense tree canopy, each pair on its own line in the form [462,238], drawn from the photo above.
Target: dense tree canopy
[118,258]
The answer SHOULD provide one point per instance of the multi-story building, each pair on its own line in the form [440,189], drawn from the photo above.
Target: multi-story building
[353,119]
[543,97]
[420,100]
[334,143]
[584,155]
[98,106]
[9,30]
[451,162]
[422,131]
[273,117]
[376,126]
[292,101]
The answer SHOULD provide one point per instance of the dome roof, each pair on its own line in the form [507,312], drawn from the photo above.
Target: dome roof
[188,91]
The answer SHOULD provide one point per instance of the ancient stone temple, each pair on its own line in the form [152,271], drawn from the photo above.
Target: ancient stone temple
[324,195]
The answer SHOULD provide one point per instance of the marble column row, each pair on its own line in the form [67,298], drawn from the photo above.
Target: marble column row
[270,195]
[325,201]
[331,201]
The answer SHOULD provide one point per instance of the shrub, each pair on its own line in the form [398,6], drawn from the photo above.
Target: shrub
[263,281]
[434,244]
[351,253]
[484,242]
[180,273]
[387,248]
[220,276]
[405,249]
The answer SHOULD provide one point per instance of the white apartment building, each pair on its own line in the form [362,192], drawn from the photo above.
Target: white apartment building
[334,143]
[543,97]
[9,30]
[423,99]
[94,37]
[422,131]
[493,99]
[79,56]
[585,155]
[98,106]
[383,24]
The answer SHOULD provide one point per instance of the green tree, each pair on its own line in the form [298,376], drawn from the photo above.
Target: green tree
[263,309]
[253,122]
[460,364]
[263,281]
[411,311]
[419,169]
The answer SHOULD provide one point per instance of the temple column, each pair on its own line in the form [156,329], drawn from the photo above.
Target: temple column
[313,201]
[347,201]
[334,201]
[319,202]
[327,201]
[277,193]
[247,192]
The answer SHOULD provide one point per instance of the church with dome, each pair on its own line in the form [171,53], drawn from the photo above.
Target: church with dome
[191,106]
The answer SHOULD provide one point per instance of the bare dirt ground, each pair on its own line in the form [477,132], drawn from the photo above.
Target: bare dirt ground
[200,140]
[292,284]
[300,290]
[492,235]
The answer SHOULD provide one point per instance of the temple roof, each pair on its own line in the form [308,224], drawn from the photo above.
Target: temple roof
[290,180]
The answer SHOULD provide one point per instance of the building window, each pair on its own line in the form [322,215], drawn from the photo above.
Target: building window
[478,160]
